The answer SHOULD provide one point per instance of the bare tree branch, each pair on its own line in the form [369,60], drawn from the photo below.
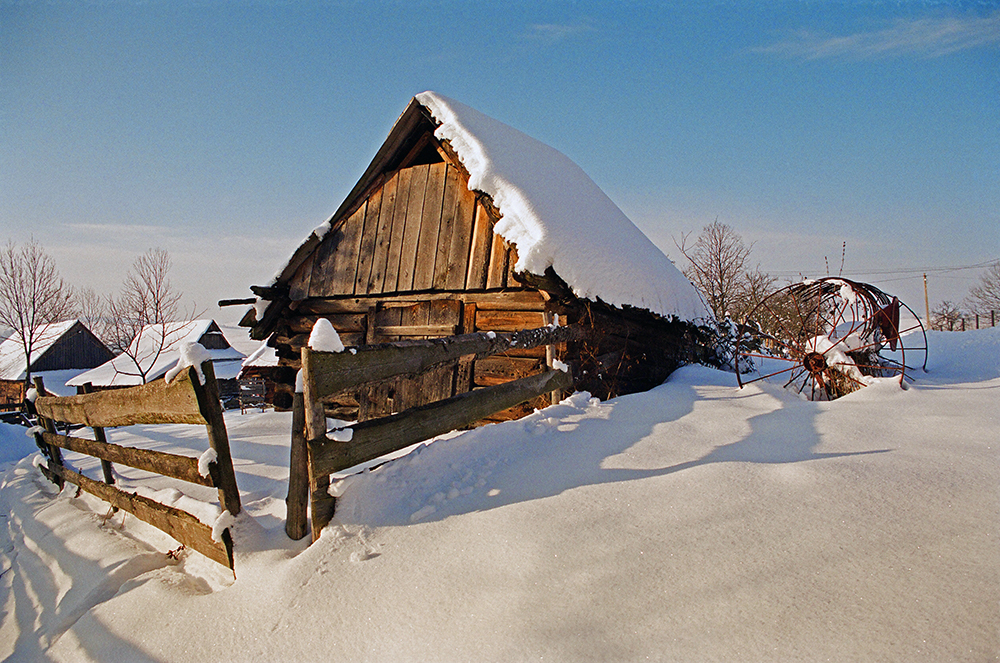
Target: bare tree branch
[32,295]
[985,297]
[147,302]
[717,266]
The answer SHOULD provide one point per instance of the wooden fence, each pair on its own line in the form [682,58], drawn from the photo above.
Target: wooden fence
[315,455]
[185,400]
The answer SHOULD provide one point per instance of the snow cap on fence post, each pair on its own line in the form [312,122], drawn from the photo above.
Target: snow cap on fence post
[191,354]
[324,338]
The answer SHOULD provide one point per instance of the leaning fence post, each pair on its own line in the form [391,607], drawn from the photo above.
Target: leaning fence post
[211,410]
[321,503]
[296,504]
[54,453]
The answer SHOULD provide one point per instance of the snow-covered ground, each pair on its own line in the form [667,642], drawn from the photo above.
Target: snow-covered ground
[694,522]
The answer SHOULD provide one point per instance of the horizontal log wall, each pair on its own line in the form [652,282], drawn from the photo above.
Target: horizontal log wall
[370,320]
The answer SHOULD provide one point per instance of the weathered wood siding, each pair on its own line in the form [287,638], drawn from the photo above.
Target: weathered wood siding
[421,230]
[77,348]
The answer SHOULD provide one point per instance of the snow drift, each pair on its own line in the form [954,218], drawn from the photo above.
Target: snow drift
[696,521]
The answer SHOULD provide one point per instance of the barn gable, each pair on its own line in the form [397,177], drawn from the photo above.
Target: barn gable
[416,251]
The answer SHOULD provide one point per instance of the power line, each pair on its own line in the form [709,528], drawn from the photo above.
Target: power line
[915,271]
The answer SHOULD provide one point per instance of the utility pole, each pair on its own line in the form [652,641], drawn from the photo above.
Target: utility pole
[927,305]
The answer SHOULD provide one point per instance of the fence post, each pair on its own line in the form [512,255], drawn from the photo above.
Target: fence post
[54,453]
[321,504]
[296,504]
[211,409]
[99,435]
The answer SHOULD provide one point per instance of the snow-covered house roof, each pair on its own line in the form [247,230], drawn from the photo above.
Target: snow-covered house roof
[553,214]
[58,346]
[158,354]
[558,217]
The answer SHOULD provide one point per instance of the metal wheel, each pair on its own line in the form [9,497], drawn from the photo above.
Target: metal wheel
[828,337]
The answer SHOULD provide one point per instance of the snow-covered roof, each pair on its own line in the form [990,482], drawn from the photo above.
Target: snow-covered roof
[12,364]
[122,371]
[558,217]
[551,211]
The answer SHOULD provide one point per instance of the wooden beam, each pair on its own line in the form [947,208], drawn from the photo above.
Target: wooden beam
[377,437]
[181,525]
[416,330]
[154,403]
[210,406]
[184,468]
[296,503]
[513,299]
[328,373]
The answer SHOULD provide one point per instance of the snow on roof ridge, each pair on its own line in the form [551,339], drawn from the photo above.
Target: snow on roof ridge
[121,371]
[558,217]
[12,364]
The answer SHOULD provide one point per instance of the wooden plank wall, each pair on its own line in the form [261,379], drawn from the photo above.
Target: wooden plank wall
[421,230]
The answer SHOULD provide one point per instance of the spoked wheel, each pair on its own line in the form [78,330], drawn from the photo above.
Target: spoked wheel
[827,338]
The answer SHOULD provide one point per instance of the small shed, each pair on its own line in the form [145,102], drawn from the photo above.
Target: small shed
[463,224]
[157,349]
[61,350]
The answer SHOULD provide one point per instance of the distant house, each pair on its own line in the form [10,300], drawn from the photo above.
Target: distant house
[463,224]
[61,350]
[157,353]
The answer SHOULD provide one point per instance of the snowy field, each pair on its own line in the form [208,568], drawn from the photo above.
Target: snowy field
[694,522]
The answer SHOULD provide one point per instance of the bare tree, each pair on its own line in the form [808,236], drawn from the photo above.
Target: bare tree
[718,267]
[92,311]
[985,297]
[147,302]
[945,316]
[32,295]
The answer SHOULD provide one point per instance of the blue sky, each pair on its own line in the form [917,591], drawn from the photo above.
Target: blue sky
[224,132]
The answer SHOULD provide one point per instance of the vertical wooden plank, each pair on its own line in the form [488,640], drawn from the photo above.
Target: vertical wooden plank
[449,225]
[411,231]
[482,240]
[460,240]
[366,252]
[401,184]
[380,261]
[496,276]
[430,226]
[463,375]
[508,280]
[441,380]
[344,264]
[298,287]
[106,469]
[296,503]
[211,409]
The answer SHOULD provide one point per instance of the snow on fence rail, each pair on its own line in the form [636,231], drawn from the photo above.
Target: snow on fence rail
[184,400]
[315,455]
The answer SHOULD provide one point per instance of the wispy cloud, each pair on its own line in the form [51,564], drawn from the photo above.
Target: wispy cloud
[924,37]
[120,229]
[556,32]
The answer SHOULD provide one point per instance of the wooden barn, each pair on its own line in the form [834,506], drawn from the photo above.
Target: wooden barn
[61,350]
[462,224]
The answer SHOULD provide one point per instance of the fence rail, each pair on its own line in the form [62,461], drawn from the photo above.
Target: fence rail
[185,400]
[314,455]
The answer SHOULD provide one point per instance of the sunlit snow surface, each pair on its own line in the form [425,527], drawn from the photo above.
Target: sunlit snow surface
[697,521]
